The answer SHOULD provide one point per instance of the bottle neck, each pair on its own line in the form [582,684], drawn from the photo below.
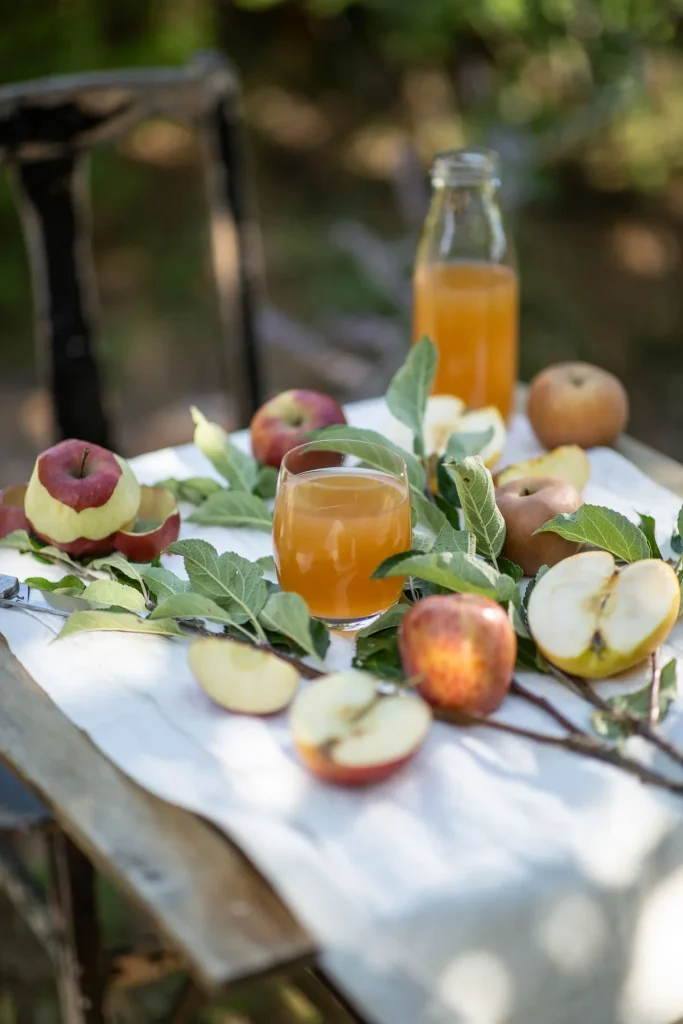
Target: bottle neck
[465,222]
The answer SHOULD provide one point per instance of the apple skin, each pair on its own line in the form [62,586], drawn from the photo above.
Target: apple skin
[285,422]
[157,504]
[76,505]
[12,515]
[327,770]
[462,647]
[577,403]
[527,504]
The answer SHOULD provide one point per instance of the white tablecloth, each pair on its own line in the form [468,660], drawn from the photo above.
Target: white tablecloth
[491,882]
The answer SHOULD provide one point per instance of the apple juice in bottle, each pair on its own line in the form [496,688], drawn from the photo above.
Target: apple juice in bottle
[465,288]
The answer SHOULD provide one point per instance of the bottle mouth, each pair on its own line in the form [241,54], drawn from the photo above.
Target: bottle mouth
[466,167]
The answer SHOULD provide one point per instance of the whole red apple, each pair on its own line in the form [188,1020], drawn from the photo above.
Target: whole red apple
[461,648]
[577,403]
[79,496]
[285,422]
[526,504]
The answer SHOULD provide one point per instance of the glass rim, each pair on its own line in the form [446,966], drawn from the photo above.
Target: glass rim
[469,166]
[321,444]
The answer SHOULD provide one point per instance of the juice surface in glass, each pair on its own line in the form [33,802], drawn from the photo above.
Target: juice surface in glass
[469,310]
[331,529]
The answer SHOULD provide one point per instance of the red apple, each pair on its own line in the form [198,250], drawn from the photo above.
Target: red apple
[346,731]
[526,504]
[286,421]
[577,403]
[12,515]
[157,525]
[79,496]
[461,650]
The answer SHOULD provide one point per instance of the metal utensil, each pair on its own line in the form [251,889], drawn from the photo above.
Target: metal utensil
[14,594]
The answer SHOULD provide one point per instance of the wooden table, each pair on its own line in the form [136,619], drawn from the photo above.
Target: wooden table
[206,900]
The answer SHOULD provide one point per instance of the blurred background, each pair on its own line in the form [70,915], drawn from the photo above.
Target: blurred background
[346,102]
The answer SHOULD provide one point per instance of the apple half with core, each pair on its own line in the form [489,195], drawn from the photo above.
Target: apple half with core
[594,619]
[460,649]
[12,515]
[527,504]
[285,422]
[241,678]
[347,730]
[79,496]
[156,525]
[577,403]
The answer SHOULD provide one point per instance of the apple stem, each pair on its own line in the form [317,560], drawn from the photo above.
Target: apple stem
[577,743]
[84,457]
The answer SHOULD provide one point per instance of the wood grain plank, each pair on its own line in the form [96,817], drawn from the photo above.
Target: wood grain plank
[202,894]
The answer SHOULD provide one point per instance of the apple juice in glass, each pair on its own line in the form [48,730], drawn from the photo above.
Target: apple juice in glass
[465,283]
[335,521]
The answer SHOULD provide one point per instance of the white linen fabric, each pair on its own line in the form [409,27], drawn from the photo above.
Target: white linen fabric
[492,881]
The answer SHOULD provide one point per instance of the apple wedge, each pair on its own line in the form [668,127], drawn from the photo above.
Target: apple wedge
[243,679]
[157,525]
[569,463]
[446,415]
[12,515]
[594,620]
[348,732]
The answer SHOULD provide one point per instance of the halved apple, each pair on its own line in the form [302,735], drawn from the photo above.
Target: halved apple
[446,415]
[569,463]
[594,620]
[157,525]
[347,731]
[12,515]
[241,678]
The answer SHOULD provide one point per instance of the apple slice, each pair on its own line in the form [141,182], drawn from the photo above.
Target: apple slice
[346,731]
[446,415]
[595,620]
[569,463]
[157,525]
[241,678]
[12,515]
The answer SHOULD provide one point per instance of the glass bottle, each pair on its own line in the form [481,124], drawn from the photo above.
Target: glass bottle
[465,288]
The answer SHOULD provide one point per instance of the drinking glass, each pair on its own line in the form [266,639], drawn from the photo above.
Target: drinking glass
[335,521]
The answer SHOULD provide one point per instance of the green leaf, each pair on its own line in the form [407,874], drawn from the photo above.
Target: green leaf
[446,483]
[239,469]
[124,622]
[410,386]
[426,514]
[288,614]
[69,586]
[421,541]
[267,563]
[266,483]
[516,617]
[191,606]
[647,525]
[194,489]
[680,522]
[118,564]
[510,568]
[677,543]
[603,528]
[609,725]
[456,571]
[19,540]
[163,583]
[341,439]
[528,657]
[391,619]
[448,539]
[459,446]
[114,595]
[481,514]
[378,653]
[531,584]
[233,508]
[234,582]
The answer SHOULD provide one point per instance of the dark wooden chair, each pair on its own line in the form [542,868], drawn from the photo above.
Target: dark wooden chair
[47,128]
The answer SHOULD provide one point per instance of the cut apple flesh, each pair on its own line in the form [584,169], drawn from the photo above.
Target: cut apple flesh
[243,679]
[446,415]
[569,463]
[348,732]
[595,620]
